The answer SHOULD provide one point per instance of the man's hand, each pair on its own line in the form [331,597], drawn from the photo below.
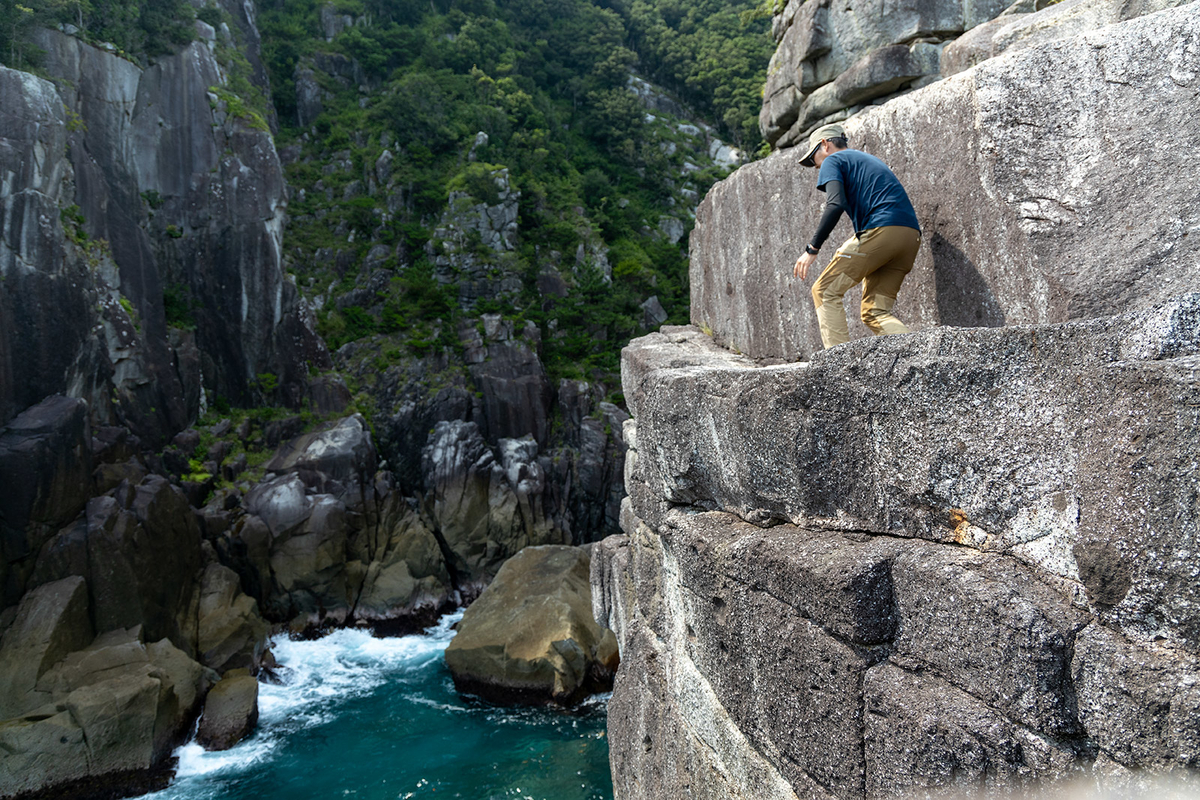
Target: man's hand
[805,261]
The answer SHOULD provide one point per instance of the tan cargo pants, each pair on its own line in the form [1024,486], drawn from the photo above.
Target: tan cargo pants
[879,259]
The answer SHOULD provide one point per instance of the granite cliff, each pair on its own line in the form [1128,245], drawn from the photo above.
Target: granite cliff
[959,560]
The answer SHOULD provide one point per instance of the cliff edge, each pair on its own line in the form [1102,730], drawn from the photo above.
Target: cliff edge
[959,560]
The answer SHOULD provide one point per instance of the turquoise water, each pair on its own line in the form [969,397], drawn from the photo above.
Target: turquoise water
[360,717]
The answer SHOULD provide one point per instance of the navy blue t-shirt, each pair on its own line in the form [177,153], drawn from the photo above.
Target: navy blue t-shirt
[873,192]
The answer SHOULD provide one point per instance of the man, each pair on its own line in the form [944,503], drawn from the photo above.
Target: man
[885,242]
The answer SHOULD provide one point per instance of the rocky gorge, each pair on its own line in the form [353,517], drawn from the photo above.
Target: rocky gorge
[145,558]
[960,560]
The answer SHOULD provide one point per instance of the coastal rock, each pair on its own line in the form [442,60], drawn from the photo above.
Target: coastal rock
[46,471]
[337,459]
[483,508]
[155,200]
[1012,234]
[111,710]
[407,584]
[914,564]
[230,711]
[530,636]
[231,634]
[51,622]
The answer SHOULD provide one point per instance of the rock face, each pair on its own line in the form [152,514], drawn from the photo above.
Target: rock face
[916,562]
[530,636]
[834,59]
[573,478]
[128,187]
[76,709]
[1040,192]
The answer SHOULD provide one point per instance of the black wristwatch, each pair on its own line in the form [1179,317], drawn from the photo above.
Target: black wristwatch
[808,248]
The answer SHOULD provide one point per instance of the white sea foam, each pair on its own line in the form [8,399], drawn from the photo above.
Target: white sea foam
[317,676]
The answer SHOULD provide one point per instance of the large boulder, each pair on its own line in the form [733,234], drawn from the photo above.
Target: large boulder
[230,711]
[530,636]
[106,713]
[1025,172]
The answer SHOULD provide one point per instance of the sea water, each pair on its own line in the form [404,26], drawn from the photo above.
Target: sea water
[360,717]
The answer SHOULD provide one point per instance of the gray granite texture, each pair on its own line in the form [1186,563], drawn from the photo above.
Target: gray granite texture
[955,561]
[1046,182]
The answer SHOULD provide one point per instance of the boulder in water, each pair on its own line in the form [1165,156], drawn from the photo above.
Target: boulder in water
[530,637]
[230,712]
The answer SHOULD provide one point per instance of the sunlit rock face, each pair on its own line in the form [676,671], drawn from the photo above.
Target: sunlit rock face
[954,562]
[1045,182]
[917,561]
[835,59]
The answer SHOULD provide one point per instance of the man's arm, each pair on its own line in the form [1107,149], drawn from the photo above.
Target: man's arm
[834,206]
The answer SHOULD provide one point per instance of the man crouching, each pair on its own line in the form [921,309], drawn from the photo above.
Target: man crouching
[883,248]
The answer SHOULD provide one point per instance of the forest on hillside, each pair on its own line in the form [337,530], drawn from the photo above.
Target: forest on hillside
[546,82]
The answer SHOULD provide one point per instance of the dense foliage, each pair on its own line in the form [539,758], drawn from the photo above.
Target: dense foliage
[546,81]
[138,30]
[606,189]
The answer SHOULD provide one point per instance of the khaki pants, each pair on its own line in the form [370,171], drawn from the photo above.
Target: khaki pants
[879,259]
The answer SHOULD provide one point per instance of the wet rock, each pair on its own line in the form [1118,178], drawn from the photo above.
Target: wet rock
[530,636]
[230,711]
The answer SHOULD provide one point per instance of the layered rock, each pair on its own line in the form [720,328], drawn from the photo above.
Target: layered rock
[530,636]
[129,186]
[79,711]
[916,562]
[833,60]
[1042,193]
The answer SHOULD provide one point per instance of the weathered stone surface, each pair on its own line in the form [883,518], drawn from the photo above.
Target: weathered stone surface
[142,138]
[483,508]
[51,621]
[113,710]
[334,459]
[530,636]
[888,436]
[1013,233]
[45,468]
[230,711]
[47,311]
[407,582]
[924,736]
[231,634]
[993,629]
[143,556]
[976,575]
[1140,703]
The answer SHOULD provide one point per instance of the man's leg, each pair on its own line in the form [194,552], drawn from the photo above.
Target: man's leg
[898,245]
[843,273]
